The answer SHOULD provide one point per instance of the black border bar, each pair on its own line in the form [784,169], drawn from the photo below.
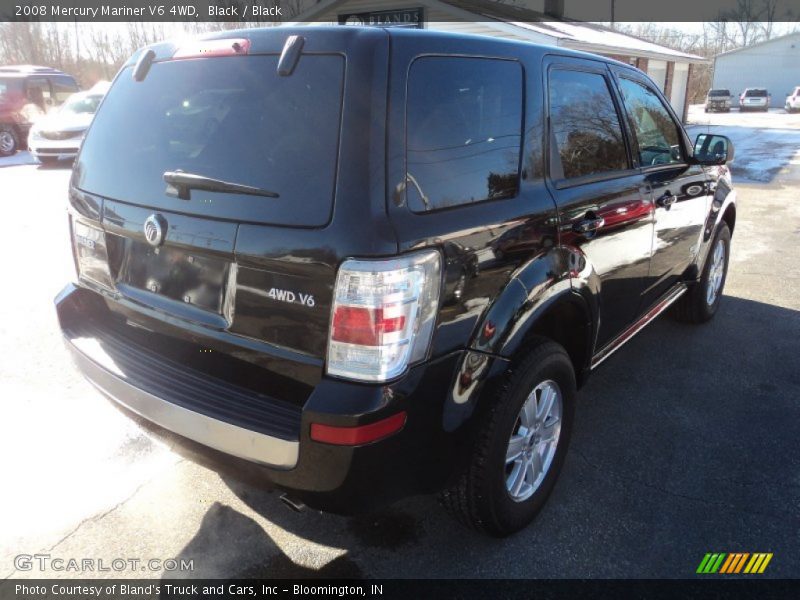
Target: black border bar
[277,11]
[188,589]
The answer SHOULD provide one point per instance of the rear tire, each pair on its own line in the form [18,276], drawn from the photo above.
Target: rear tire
[489,495]
[700,303]
[9,142]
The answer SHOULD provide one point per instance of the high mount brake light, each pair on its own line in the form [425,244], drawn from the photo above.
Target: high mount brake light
[211,48]
[383,315]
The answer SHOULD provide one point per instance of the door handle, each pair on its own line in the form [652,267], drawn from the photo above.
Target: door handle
[588,225]
[666,200]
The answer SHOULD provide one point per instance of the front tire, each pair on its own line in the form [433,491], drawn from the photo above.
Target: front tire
[9,142]
[700,303]
[520,446]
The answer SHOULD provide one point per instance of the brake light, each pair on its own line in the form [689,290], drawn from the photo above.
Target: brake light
[383,315]
[367,326]
[211,48]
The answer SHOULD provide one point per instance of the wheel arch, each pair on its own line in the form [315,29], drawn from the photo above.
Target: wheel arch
[565,319]
[729,216]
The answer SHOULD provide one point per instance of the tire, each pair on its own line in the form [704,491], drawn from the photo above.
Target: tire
[9,141]
[694,306]
[480,498]
[48,160]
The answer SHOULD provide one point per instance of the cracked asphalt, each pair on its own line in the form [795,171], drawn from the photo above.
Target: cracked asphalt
[686,440]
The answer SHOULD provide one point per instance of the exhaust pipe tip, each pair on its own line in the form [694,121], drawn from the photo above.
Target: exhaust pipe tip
[293,503]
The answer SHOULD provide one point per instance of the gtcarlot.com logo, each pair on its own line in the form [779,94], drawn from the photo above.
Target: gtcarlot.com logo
[732,563]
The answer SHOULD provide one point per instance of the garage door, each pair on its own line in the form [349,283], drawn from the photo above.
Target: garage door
[657,69]
[680,76]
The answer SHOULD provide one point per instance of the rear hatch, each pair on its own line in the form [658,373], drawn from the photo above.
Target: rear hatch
[250,266]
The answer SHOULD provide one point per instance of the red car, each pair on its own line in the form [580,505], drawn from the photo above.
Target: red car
[26,93]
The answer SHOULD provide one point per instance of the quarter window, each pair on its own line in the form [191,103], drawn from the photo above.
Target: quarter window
[584,125]
[464,131]
[656,132]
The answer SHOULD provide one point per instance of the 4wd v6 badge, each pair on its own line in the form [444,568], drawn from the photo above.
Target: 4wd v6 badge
[291,297]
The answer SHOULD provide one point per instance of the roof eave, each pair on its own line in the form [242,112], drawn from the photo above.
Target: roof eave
[605,49]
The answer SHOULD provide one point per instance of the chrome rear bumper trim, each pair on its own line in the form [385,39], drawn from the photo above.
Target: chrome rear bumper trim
[231,439]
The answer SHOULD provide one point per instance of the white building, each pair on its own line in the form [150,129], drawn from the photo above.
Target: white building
[669,68]
[774,65]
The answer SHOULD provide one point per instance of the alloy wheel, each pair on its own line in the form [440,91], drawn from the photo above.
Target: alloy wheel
[533,441]
[716,273]
[7,142]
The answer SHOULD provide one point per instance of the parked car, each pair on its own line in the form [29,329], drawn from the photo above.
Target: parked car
[793,100]
[273,290]
[58,135]
[27,93]
[754,99]
[718,100]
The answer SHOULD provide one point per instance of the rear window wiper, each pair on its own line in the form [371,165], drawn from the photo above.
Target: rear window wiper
[179,185]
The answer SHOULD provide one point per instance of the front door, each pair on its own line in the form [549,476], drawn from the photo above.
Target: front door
[680,193]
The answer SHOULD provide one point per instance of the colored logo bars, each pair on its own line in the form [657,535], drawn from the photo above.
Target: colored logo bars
[736,562]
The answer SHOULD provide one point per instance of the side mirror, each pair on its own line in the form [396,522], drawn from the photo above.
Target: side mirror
[712,149]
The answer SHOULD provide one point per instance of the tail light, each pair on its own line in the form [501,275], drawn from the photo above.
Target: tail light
[91,254]
[383,315]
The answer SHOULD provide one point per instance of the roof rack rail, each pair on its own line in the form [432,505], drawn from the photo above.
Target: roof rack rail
[28,69]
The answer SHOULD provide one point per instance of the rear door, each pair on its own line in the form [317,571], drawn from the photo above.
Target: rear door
[680,192]
[603,200]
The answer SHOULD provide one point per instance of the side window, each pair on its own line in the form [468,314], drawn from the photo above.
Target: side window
[656,132]
[463,132]
[37,99]
[63,88]
[584,125]
[39,93]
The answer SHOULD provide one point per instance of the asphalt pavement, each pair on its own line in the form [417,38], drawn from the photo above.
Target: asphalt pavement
[685,442]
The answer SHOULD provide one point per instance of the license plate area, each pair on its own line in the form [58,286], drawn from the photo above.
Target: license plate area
[176,274]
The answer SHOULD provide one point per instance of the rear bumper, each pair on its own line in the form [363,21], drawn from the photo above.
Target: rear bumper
[238,430]
[228,438]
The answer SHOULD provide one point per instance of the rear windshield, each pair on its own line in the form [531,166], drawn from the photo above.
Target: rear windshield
[228,118]
[719,93]
[756,93]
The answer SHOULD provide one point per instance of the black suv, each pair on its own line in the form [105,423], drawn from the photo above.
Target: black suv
[28,92]
[377,263]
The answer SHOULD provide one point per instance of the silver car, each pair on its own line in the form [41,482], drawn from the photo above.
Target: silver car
[58,135]
[754,99]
